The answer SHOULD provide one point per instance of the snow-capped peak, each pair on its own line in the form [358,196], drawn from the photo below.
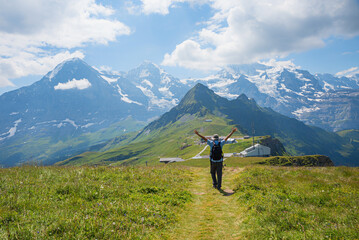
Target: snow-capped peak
[50,75]
[280,65]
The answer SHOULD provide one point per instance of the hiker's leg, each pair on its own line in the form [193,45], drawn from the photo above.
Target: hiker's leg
[219,174]
[213,173]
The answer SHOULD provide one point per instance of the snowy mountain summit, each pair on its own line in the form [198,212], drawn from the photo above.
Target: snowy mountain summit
[283,87]
[75,98]
[148,85]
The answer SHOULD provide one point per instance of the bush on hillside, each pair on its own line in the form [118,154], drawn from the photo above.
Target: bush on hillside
[310,160]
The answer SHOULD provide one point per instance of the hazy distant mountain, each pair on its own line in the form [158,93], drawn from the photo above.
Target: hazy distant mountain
[76,99]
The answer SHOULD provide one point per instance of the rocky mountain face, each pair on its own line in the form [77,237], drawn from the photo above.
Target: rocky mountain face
[336,110]
[276,147]
[292,92]
[148,86]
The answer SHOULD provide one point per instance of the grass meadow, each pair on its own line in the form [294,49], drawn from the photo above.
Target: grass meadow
[299,202]
[90,202]
[135,202]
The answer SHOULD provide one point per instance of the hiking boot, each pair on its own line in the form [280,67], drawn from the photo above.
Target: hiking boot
[214,186]
[219,187]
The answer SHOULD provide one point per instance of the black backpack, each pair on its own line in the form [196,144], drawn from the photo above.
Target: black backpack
[216,152]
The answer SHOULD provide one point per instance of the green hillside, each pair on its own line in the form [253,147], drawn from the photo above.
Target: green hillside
[352,134]
[90,203]
[175,140]
[48,150]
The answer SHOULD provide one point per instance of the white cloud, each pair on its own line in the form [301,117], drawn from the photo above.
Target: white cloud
[349,72]
[158,6]
[248,31]
[79,84]
[31,64]
[35,31]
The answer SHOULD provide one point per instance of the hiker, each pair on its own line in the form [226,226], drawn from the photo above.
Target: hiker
[216,156]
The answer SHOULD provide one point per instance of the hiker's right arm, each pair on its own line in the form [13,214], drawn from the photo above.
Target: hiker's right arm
[199,135]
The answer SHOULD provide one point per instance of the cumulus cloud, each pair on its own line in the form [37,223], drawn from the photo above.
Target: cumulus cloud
[26,63]
[73,84]
[248,31]
[34,32]
[158,6]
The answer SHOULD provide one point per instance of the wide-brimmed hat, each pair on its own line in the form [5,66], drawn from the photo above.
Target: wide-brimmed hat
[215,136]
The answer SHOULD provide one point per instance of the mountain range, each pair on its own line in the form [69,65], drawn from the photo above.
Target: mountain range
[76,107]
[293,92]
[168,135]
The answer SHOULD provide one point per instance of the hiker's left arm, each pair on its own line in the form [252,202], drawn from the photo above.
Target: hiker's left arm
[230,134]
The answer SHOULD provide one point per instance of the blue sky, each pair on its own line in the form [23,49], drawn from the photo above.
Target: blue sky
[187,38]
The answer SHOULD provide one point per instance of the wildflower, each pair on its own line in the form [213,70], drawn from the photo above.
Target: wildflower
[113,223]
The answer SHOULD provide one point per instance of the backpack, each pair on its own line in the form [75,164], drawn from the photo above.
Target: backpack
[216,152]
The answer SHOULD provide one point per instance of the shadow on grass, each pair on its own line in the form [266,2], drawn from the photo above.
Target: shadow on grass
[226,192]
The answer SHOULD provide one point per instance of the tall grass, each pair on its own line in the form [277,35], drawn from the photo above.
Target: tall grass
[299,203]
[90,203]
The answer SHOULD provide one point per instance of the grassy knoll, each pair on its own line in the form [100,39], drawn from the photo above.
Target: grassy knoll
[90,203]
[299,203]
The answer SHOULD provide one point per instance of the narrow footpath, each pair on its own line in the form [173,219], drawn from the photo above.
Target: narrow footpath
[213,214]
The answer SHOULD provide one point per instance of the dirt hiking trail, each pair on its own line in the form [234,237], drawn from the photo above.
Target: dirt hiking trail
[213,214]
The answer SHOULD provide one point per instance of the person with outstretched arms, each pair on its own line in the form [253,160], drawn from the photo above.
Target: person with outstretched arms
[216,156]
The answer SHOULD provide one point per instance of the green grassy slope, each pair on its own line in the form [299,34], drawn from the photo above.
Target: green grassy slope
[90,203]
[175,140]
[178,202]
[299,203]
[351,148]
[48,150]
[352,134]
